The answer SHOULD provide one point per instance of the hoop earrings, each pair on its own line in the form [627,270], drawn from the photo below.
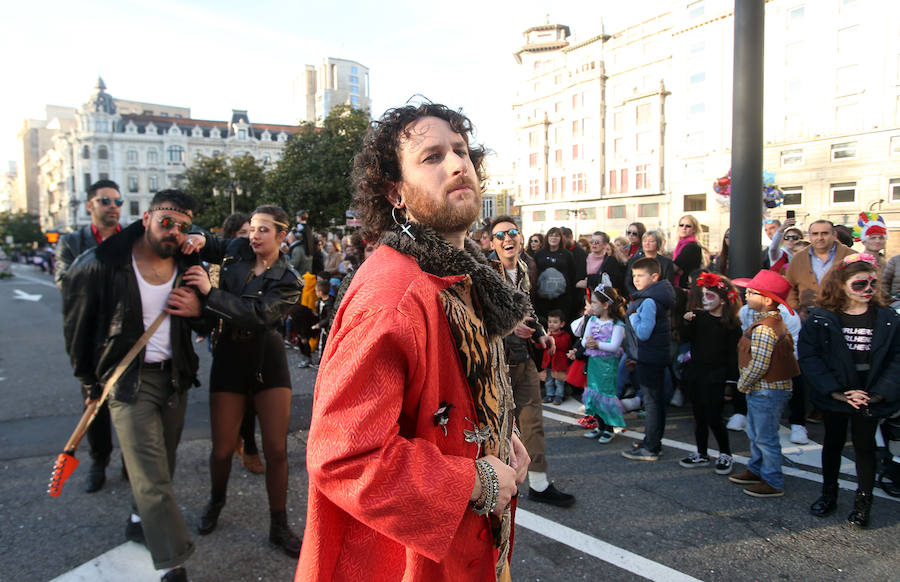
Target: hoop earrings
[404,226]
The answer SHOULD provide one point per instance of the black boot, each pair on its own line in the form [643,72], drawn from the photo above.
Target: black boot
[210,517]
[96,476]
[827,503]
[282,536]
[862,507]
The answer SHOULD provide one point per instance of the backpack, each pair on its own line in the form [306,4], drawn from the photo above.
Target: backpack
[551,283]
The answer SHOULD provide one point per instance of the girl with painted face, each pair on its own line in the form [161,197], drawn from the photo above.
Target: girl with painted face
[850,354]
[712,330]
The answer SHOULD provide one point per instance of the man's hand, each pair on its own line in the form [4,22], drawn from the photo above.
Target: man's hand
[547,343]
[198,278]
[193,243]
[507,477]
[183,302]
[523,330]
[89,400]
[788,223]
[519,459]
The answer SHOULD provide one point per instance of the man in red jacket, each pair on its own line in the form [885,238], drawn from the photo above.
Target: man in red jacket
[412,456]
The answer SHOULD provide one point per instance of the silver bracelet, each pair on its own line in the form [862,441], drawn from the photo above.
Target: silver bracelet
[490,487]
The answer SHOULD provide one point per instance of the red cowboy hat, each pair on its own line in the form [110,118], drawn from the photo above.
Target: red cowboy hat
[770,284]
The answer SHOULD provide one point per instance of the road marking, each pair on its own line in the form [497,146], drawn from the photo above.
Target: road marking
[792,471]
[607,552]
[19,294]
[32,279]
[111,566]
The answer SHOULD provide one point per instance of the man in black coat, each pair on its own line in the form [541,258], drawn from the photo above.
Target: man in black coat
[104,204]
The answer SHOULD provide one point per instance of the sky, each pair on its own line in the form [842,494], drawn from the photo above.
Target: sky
[215,56]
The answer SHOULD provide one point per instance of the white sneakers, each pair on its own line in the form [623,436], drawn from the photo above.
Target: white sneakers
[737,422]
[799,435]
[677,398]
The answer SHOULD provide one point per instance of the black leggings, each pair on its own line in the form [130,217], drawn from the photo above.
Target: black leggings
[862,434]
[707,396]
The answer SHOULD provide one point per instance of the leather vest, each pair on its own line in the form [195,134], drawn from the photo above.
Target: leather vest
[783,365]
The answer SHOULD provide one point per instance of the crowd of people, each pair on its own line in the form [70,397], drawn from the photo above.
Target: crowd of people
[438,347]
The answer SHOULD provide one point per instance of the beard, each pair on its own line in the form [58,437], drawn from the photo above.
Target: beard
[442,215]
[159,246]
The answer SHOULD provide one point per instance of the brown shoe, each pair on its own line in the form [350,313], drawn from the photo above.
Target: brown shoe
[763,489]
[253,463]
[747,477]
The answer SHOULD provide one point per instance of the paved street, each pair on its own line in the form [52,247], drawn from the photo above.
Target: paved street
[632,521]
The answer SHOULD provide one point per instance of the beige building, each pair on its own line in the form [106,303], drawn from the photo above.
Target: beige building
[335,82]
[33,141]
[8,188]
[657,116]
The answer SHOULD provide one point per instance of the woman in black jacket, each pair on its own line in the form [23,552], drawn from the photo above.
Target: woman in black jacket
[256,288]
[850,353]
[553,260]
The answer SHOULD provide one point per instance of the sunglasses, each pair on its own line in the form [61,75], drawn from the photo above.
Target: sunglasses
[168,223]
[863,284]
[631,232]
[106,201]
[792,237]
[596,242]
[685,225]
[501,234]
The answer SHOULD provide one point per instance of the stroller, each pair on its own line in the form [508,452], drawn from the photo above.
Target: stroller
[888,441]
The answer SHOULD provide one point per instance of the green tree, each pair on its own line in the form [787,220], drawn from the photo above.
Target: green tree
[314,171]
[24,228]
[213,181]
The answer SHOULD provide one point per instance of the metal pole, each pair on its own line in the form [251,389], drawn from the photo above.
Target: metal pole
[747,139]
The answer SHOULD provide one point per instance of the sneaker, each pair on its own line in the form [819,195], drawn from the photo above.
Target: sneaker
[639,453]
[588,422]
[552,496]
[724,464]
[737,422]
[763,489]
[747,477]
[593,433]
[605,437]
[557,401]
[694,460]
[134,532]
[677,398]
[547,399]
[799,436]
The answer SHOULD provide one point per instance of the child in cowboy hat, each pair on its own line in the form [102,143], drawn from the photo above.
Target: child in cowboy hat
[767,362]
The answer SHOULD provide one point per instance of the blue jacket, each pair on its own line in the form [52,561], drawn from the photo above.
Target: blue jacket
[828,365]
[649,329]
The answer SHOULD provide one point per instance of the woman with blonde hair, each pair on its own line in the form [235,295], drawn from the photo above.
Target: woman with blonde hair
[688,254]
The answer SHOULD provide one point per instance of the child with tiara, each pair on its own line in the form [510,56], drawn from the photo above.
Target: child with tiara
[713,330]
[602,344]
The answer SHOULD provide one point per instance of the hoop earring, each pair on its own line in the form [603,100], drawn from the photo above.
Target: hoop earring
[404,226]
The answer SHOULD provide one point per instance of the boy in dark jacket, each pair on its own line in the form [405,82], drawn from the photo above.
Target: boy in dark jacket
[648,344]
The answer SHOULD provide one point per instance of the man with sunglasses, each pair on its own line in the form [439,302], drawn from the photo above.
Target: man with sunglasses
[523,374]
[111,294]
[104,206]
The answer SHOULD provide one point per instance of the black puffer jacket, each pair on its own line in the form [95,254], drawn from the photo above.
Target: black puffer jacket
[827,364]
[103,318]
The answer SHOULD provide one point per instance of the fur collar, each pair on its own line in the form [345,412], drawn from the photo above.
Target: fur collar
[503,306]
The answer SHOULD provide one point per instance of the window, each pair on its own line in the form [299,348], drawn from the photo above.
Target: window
[695,203]
[617,148]
[617,122]
[848,43]
[697,48]
[487,206]
[176,154]
[694,168]
[539,216]
[354,90]
[354,80]
[533,188]
[557,157]
[696,10]
[132,183]
[152,156]
[562,184]
[623,180]
[575,151]
[843,193]
[894,187]
[589,213]
[578,183]
[697,78]
[87,181]
[575,128]
[242,134]
[132,156]
[616,211]
[793,195]
[791,157]
[843,151]
[153,183]
[85,153]
[354,70]
[613,183]
[354,100]
[847,79]
[695,139]
[895,145]
[561,214]
[532,138]
[554,187]
[640,177]
[642,141]
[650,210]
[795,16]
[696,110]
[103,176]
[532,160]
[102,153]
[642,114]
[134,207]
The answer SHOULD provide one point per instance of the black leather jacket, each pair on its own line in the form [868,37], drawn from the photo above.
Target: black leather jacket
[103,318]
[254,306]
[69,247]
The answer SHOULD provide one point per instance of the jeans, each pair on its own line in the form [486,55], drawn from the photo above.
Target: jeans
[556,387]
[763,412]
[651,380]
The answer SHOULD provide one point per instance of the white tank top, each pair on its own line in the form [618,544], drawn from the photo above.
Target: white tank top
[153,301]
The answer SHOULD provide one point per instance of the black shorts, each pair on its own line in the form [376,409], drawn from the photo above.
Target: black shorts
[248,367]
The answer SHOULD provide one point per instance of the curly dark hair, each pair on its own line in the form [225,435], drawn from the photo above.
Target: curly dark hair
[832,295]
[233,224]
[376,168]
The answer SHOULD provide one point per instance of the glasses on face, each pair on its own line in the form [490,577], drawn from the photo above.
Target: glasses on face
[596,242]
[631,232]
[685,225]
[501,234]
[792,237]
[168,223]
[535,241]
[106,201]
[862,284]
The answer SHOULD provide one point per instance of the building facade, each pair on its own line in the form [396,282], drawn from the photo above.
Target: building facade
[334,82]
[144,151]
[657,117]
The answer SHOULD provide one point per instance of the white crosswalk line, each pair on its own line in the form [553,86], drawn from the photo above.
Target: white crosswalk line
[130,561]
